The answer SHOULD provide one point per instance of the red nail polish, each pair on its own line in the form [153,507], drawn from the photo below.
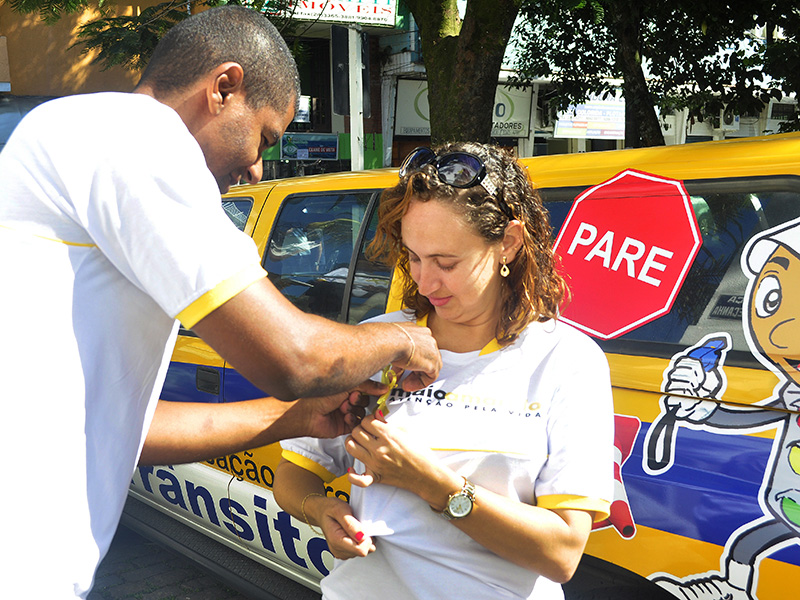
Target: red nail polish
[360,536]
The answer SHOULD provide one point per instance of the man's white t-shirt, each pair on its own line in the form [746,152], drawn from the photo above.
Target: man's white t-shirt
[111,227]
[532,421]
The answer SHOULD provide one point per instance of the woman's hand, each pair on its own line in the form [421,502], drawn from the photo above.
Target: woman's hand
[302,494]
[342,530]
[392,457]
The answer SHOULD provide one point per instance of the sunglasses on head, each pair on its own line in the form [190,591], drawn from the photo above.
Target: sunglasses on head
[458,169]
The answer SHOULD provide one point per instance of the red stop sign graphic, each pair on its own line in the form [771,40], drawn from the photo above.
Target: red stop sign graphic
[625,248]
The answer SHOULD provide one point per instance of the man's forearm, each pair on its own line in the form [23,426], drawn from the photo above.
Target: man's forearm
[184,432]
[290,354]
[337,357]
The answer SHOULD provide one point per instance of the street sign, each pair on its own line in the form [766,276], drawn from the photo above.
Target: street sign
[625,249]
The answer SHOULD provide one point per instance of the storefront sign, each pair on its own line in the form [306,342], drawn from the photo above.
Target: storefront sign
[365,12]
[310,146]
[511,116]
[596,120]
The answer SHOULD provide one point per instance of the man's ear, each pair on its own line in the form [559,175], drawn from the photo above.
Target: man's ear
[226,79]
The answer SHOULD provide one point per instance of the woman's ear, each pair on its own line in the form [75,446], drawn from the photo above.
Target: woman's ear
[512,239]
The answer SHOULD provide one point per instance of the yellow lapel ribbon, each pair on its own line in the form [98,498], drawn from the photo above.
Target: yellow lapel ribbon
[388,378]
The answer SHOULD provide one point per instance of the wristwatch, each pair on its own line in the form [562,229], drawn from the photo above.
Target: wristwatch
[460,504]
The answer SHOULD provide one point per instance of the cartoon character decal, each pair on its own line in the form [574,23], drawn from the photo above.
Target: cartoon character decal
[692,375]
[771,323]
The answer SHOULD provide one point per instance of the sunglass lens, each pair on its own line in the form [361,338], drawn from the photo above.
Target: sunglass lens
[416,160]
[459,170]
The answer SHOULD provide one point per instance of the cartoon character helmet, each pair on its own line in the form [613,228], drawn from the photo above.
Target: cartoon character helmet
[760,248]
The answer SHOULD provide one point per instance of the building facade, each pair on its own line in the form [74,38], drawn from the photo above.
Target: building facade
[40,61]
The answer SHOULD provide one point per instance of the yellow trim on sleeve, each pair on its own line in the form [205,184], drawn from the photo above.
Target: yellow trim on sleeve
[600,508]
[48,239]
[309,465]
[218,296]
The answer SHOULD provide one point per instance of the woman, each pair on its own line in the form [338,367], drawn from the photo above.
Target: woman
[487,481]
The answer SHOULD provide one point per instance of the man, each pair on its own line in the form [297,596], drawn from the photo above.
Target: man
[111,229]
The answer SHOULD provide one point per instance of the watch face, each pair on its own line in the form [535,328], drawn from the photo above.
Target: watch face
[460,505]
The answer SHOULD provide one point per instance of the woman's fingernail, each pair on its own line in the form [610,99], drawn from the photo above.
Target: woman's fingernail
[360,536]
[380,414]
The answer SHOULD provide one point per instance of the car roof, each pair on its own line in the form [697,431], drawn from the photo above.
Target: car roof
[741,157]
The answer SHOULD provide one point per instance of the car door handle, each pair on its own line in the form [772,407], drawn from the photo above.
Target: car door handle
[207,380]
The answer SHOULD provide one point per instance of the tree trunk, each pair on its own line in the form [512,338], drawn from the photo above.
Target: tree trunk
[462,61]
[641,123]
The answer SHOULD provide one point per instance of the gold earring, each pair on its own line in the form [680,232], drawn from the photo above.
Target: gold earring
[504,271]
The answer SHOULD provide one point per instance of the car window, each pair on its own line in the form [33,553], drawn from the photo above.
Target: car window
[729,213]
[311,246]
[370,286]
[238,210]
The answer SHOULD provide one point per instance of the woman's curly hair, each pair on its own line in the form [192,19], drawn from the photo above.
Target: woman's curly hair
[533,290]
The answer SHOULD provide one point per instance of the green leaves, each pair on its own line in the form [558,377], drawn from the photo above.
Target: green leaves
[564,42]
[130,40]
[694,54]
[50,10]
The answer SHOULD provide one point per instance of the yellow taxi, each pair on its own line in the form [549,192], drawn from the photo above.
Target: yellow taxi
[680,259]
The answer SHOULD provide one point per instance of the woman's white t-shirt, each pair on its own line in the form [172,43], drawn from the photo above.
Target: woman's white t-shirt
[532,421]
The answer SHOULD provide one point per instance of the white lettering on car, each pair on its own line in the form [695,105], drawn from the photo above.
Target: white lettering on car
[631,251]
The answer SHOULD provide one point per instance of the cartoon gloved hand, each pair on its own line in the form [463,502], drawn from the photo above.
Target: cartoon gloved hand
[693,376]
[697,374]
[685,377]
[693,410]
[688,378]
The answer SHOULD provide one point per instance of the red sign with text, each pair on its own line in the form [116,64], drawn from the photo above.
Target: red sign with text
[625,248]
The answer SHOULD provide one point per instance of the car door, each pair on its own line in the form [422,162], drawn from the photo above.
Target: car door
[312,238]
[315,255]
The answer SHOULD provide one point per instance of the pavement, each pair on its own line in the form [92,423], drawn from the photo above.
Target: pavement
[137,568]
[154,557]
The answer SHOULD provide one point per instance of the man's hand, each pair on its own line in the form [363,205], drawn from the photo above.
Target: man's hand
[183,432]
[332,416]
[423,358]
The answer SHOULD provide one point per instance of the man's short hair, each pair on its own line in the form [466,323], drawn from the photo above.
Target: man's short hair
[202,42]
